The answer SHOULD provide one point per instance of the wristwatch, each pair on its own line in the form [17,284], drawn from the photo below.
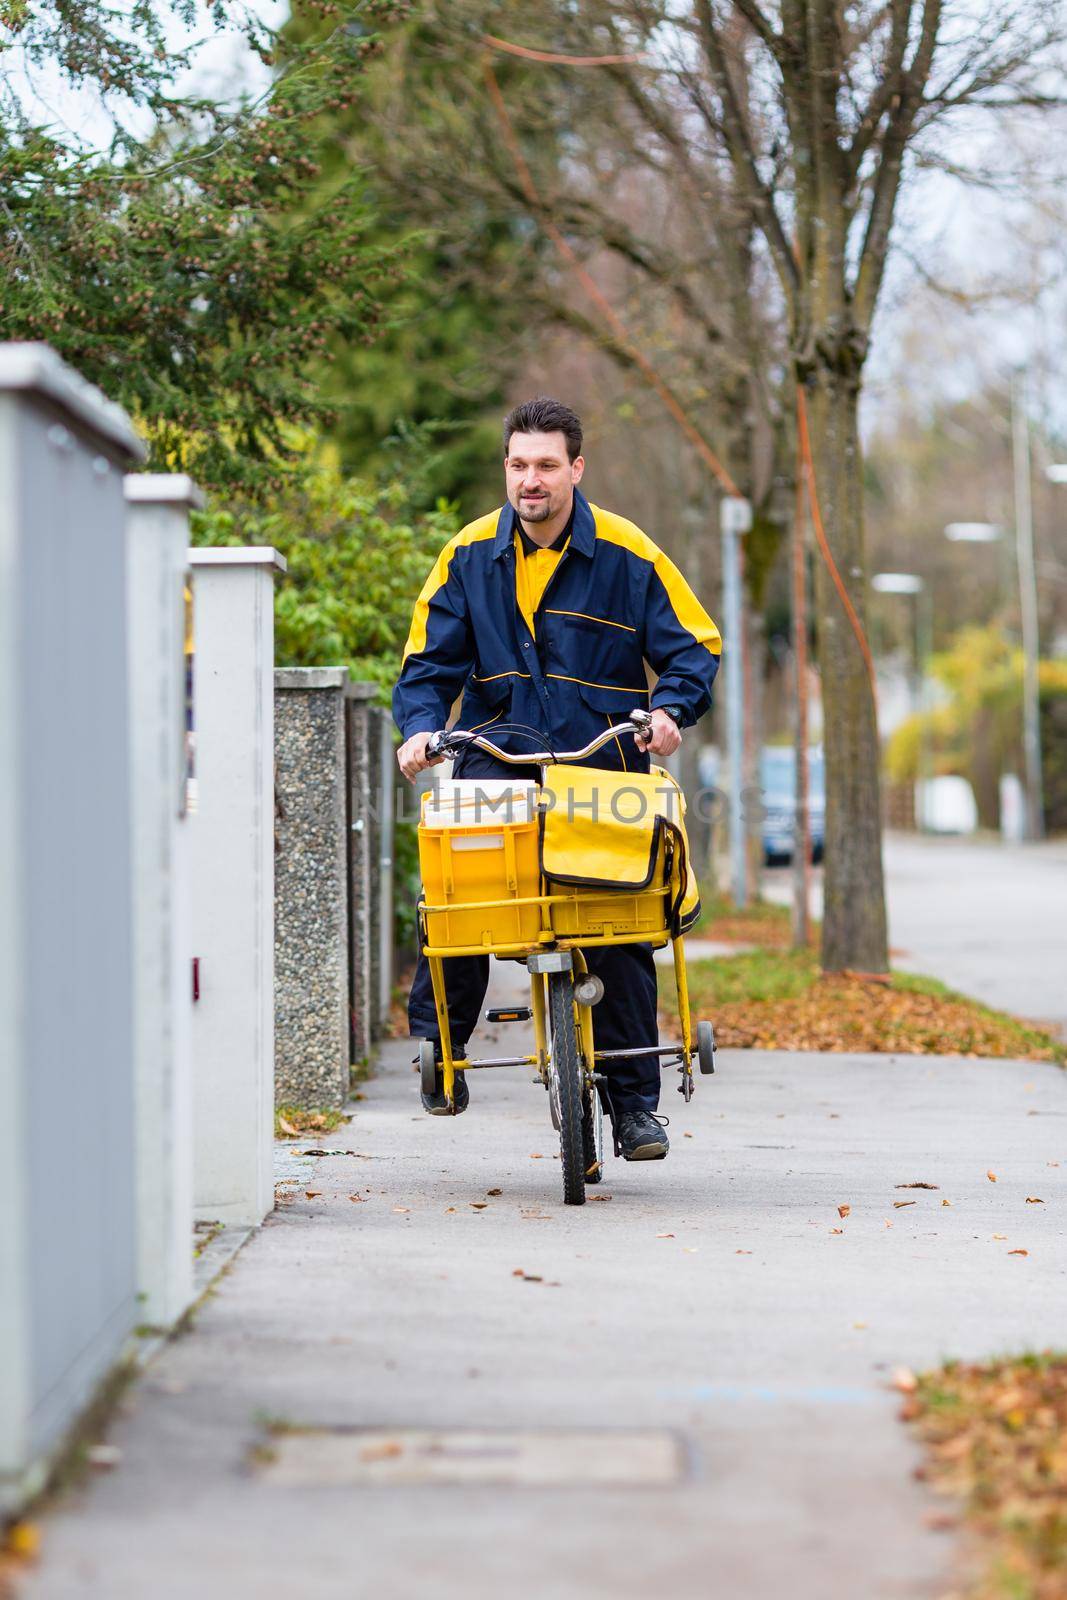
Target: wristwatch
[674,712]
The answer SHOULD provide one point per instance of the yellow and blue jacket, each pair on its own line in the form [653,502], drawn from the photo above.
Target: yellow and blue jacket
[575,663]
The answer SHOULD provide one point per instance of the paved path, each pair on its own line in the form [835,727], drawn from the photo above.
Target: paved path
[985,917]
[711,1297]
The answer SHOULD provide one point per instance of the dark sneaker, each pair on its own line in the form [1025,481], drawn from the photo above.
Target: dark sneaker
[437,1105]
[642,1137]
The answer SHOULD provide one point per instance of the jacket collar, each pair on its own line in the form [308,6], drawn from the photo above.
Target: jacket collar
[583,533]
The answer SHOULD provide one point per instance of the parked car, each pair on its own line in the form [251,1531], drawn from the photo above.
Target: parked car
[778,794]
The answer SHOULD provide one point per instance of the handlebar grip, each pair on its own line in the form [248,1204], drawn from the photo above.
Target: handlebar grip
[436,744]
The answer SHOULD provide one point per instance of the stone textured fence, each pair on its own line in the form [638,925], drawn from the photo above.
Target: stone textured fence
[333,907]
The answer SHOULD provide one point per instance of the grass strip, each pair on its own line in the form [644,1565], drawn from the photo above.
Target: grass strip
[777,999]
[996,1440]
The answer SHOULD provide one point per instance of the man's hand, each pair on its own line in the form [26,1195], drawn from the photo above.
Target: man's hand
[411,757]
[663,735]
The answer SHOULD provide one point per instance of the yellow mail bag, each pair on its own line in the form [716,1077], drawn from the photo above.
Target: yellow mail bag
[622,832]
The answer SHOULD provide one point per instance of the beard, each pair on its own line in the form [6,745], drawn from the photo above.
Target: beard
[535,510]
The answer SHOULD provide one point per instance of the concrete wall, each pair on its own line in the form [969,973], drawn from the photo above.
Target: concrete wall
[233,883]
[368,746]
[67,1183]
[311,1030]
[157,534]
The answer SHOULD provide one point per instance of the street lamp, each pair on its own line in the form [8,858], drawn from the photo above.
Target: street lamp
[910,583]
[975,532]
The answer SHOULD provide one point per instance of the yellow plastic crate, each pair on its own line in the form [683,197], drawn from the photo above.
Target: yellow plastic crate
[462,865]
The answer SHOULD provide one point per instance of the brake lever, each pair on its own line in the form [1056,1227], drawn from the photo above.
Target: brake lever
[642,721]
[445,743]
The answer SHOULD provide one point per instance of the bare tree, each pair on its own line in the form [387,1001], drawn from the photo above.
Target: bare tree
[812,109]
[735,171]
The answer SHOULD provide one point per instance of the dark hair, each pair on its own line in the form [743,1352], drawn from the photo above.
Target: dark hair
[543,415]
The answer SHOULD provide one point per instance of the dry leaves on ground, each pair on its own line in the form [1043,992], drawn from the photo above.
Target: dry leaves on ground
[997,1438]
[838,1013]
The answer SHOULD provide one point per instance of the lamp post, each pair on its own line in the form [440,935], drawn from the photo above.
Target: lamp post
[735,520]
[910,583]
[992,533]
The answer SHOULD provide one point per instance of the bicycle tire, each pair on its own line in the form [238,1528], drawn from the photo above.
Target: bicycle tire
[593,1136]
[567,1067]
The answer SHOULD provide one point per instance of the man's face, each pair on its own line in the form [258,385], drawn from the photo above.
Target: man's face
[540,477]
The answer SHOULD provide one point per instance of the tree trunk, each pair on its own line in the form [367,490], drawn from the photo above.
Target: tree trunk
[854,921]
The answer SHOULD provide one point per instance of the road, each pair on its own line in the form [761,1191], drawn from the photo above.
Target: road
[988,918]
[720,1336]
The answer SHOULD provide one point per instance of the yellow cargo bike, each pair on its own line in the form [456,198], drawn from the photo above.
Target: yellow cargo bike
[535,872]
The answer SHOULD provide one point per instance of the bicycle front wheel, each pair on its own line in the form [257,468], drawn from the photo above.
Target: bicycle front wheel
[566,1068]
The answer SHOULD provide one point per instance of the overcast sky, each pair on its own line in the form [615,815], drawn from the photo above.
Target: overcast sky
[928,344]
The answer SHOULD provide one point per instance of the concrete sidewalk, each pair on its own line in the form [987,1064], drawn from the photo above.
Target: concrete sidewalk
[711,1304]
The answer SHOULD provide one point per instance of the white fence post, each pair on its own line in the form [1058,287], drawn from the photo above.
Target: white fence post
[233,883]
[157,534]
[67,1189]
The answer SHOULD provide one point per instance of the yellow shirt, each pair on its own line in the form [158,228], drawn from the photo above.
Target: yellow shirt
[533,572]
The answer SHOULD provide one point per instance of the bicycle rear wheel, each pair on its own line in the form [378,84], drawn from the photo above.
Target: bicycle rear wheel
[566,1068]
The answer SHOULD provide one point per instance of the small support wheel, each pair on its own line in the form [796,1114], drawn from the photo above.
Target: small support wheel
[706,1047]
[427,1066]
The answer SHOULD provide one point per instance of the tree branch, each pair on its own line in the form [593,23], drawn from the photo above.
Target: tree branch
[742,152]
[887,183]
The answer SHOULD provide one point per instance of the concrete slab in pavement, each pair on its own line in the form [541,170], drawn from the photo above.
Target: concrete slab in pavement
[719,1296]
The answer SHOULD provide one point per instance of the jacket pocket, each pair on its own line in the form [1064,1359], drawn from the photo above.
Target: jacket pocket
[485,701]
[594,648]
[616,702]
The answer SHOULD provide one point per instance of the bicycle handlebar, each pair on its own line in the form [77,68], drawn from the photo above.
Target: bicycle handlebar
[446,743]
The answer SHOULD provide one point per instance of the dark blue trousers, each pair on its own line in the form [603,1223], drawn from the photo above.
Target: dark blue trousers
[625,1017]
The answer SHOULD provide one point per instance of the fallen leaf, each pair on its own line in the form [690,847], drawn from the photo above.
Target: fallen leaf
[888,1223]
[898,1203]
[23,1541]
[742,1252]
[1000,1236]
[494,1191]
[1018,1252]
[448,1209]
[1032,1200]
[665,1236]
[916,1186]
[517,1272]
[905,1380]
[287,1127]
[357,1197]
[991,1175]
[837,1230]
[689,1249]
[478,1205]
[600,1197]
[402,1208]
[1052,1163]
[532,1277]
[946,1202]
[383,1451]
[537,1156]
[313,1194]
[843,1211]
[687,1135]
